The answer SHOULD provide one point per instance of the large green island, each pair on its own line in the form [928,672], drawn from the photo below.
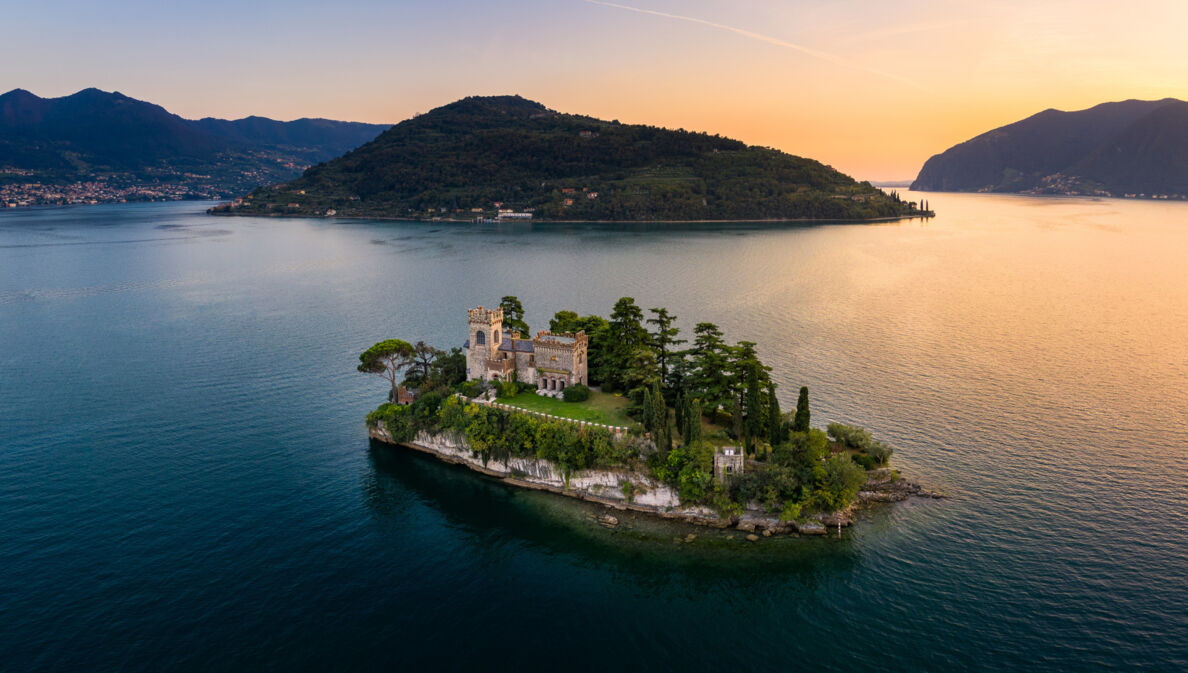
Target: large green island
[507,158]
[626,413]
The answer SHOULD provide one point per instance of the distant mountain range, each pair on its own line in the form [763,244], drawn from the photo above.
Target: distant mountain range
[1114,149]
[468,159]
[94,134]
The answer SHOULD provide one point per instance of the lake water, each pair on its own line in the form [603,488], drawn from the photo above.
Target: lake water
[186,483]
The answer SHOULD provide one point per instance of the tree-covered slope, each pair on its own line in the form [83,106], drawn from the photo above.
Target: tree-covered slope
[95,133]
[481,153]
[1113,148]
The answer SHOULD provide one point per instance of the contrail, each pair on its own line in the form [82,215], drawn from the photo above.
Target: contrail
[821,55]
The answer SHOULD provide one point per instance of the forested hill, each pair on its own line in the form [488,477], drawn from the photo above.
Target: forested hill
[1114,149]
[104,135]
[473,156]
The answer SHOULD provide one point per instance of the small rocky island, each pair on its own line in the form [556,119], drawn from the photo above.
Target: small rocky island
[688,430]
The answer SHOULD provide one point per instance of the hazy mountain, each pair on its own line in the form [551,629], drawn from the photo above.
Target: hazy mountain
[477,152]
[1113,148]
[93,132]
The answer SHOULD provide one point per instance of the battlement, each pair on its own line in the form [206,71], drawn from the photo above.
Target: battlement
[561,339]
[485,316]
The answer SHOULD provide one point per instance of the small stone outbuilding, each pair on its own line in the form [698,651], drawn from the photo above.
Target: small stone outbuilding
[728,461]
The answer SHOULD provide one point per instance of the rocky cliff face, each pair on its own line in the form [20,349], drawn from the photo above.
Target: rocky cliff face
[607,487]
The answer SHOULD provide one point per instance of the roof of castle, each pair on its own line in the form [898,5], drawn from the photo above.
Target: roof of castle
[505,344]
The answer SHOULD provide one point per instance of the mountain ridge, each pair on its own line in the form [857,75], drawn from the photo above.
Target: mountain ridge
[1118,148]
[97,135]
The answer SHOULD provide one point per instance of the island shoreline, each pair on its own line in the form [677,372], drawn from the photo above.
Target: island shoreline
[879,489]
[804,220]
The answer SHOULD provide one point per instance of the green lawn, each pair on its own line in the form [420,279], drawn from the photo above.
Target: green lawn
[600,408]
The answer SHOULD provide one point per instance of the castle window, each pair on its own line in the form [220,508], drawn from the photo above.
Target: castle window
[496,335]
[480,338]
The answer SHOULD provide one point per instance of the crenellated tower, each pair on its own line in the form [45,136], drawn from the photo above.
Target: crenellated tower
[486,329]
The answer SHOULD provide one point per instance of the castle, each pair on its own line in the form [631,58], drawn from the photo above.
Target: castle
[549,361]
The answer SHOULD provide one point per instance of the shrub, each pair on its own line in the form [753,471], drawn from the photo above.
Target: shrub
[850,436]
[575,393]
[397,420]
[507,389]
[880,452]
[839,483]
[867,462]
[472,388]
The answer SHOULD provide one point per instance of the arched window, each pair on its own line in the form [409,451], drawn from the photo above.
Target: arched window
[480,338]
[495,336]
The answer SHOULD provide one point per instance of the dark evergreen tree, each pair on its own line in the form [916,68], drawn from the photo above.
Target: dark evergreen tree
[626,336]
[709,375]
[645,410]
[513,315]
[693,422]
[679,409]
[775,427]
[800,423]
[753,425]
[663,340]
[661,432]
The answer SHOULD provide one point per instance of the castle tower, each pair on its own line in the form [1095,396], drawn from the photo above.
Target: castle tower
[486,330]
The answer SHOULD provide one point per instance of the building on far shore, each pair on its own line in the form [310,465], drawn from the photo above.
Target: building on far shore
[549,361]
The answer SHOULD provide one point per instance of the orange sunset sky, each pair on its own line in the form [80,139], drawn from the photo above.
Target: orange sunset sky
[872,88]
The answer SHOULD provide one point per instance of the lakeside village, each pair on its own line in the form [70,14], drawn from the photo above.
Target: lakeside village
[625,412]
[101,190]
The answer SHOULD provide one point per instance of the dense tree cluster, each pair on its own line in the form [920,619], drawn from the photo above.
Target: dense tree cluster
[687,400]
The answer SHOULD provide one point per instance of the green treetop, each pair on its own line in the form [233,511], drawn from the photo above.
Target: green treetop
[387,359]
[513,315]
[801,421]
[663,340]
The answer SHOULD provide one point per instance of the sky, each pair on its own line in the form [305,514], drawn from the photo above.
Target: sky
[871,88]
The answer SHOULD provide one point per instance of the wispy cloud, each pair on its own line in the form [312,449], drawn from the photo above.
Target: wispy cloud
[808,51]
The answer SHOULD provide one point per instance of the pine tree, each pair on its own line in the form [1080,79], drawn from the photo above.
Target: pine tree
[800,423]
[663,339]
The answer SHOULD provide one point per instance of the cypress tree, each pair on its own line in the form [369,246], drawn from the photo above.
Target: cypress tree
[754,410]
[660,432]
[645,415]
[801,421]
[774,429]
[678,410]
[693,422]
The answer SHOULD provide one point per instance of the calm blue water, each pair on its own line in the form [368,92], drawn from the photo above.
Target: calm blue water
[186,484]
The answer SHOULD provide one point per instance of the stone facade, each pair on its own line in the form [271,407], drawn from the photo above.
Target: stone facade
[549,361]
[728,461]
